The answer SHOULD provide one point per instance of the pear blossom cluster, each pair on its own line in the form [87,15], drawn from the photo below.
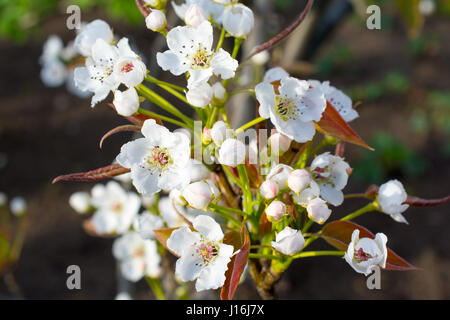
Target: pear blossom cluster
[201,192]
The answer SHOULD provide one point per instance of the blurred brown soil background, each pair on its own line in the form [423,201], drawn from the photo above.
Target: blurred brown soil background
[45,132]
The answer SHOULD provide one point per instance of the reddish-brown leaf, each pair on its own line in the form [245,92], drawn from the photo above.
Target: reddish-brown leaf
[339,235]
[162,235]
[94,175]
[418,202]
[265,226]
[240,241]
[334,125]
[119,129]
[253,175]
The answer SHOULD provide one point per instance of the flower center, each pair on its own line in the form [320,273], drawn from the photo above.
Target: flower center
[207,251]
[158,158]
[201,59]
[139,252]
[362,256]
[117,207]
[285,108]
[127,67]
[101,75]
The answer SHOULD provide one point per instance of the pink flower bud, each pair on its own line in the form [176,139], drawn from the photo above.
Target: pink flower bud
[206,136]
[279,143]
[318,210]
[200,194]
[156,20]
[276,210]
[195,15]
[298,180]
[268,189]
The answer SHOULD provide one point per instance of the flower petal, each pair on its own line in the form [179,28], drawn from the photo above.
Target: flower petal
[208,228]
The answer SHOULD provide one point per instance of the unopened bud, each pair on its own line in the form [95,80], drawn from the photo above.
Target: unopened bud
[318,210]
[219,132]
[200,194]
[268,189]
[156,20]
[206,136]
[289,241]
[279,143]
[219,91]
[126,102]
[275,211]
[298,180]
[238,20]
[195,15]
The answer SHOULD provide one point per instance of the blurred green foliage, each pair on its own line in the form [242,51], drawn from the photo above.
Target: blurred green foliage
[21,18]
[392,83]
[390,158]
[338,57]
[436,117]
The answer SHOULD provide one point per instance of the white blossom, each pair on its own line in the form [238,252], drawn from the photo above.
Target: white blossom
[219,92]
[52,49]
[339,100]
[219,132]
[294,110]
[18,206]
[198,171]
[311,192]
[203,256]
[364,254]
[54,73]
[280,174]
[232,153]
[97,29]
[157,161]
[212,10]
[80,202]
[116,208]
[146,223]
[195,15]
[391,198]
[318,210]
[275,74]
[289,241]
[331,174]
[200,96]
[138,257]
[126,102]
[238,20]
[107,68]
[190,51]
